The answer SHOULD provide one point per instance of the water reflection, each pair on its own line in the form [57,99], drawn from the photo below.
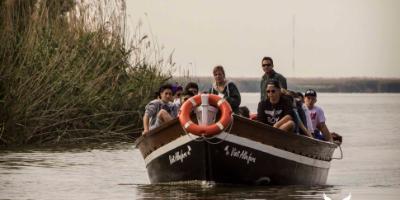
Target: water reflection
[207,191]
[53,157]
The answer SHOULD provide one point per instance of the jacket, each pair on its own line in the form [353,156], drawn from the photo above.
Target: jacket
[231,94]
[265,78]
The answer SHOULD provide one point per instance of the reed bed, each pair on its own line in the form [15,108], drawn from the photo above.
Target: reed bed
[69,75]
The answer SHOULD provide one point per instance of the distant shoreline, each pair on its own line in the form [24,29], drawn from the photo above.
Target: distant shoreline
[340,85]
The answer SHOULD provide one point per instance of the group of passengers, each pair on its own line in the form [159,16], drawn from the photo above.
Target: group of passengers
[280,108]
[288,110]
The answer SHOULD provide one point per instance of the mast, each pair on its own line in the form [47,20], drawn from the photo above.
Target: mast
[294,45]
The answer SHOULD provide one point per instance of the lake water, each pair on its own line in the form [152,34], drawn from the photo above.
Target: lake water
[369,123]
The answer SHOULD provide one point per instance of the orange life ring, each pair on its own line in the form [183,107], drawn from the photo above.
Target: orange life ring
[214,100]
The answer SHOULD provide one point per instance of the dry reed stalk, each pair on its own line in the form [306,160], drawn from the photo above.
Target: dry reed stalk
[68,73]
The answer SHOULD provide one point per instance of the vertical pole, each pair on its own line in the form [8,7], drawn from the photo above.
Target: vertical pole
[204,110]
[294,45]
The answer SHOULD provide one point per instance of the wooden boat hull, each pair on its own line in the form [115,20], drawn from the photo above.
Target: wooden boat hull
[260,155]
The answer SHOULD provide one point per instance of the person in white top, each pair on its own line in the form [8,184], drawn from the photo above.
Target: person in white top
[317,116]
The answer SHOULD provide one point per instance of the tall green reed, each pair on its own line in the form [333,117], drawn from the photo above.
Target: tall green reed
[68,74]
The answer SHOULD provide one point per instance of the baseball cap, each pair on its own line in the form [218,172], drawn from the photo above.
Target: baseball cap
[310,92]
[274,82]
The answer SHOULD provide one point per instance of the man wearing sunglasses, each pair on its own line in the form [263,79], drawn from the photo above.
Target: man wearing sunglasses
[275,110]
[268,67]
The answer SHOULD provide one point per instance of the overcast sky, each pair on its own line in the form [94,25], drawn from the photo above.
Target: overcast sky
[333,38]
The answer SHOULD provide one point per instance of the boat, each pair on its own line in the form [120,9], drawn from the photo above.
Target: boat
[245,152]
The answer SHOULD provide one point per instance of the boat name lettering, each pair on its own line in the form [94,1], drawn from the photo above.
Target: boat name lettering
[241,154]
[180,155]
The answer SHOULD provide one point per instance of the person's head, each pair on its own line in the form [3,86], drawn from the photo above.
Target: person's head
[292,95]
[310,98]
[219,74]
[244,111]
[273,91]
[300,97]
[192,87]
[177,91]
[165,92]
[267,64]
[186,95]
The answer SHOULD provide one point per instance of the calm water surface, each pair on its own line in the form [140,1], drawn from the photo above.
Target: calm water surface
[370,124]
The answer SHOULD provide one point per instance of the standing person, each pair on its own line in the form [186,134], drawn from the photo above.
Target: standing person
[317,116]
[225,88]
[159,110]
[268,67]
[275,110]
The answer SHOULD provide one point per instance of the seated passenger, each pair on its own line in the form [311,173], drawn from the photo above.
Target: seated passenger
[185,96]
[192,87]
[299,114]
[225,89]
[275,110]
[317,116]
[159,110]
[300,97]
[177,90]
[244,111]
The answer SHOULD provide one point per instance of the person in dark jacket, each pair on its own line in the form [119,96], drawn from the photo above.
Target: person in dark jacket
[299,115]
[225,88]
[268,67]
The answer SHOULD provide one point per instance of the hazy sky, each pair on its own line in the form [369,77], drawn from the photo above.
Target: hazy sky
[333,38]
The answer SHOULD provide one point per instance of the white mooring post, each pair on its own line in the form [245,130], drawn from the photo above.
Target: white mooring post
[204,110]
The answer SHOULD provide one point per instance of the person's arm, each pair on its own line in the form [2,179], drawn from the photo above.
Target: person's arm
[321,125]
[325,131]
[234,98]
[285,119]
[151,109]
[300,123]
[262,89]
[261,116]
[304,129]
[146,120]
[283,82]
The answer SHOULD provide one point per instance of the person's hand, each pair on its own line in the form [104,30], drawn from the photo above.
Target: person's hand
[145,132]
[338,139]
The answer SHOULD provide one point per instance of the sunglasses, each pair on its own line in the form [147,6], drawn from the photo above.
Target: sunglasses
[271,91]
[267,65]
